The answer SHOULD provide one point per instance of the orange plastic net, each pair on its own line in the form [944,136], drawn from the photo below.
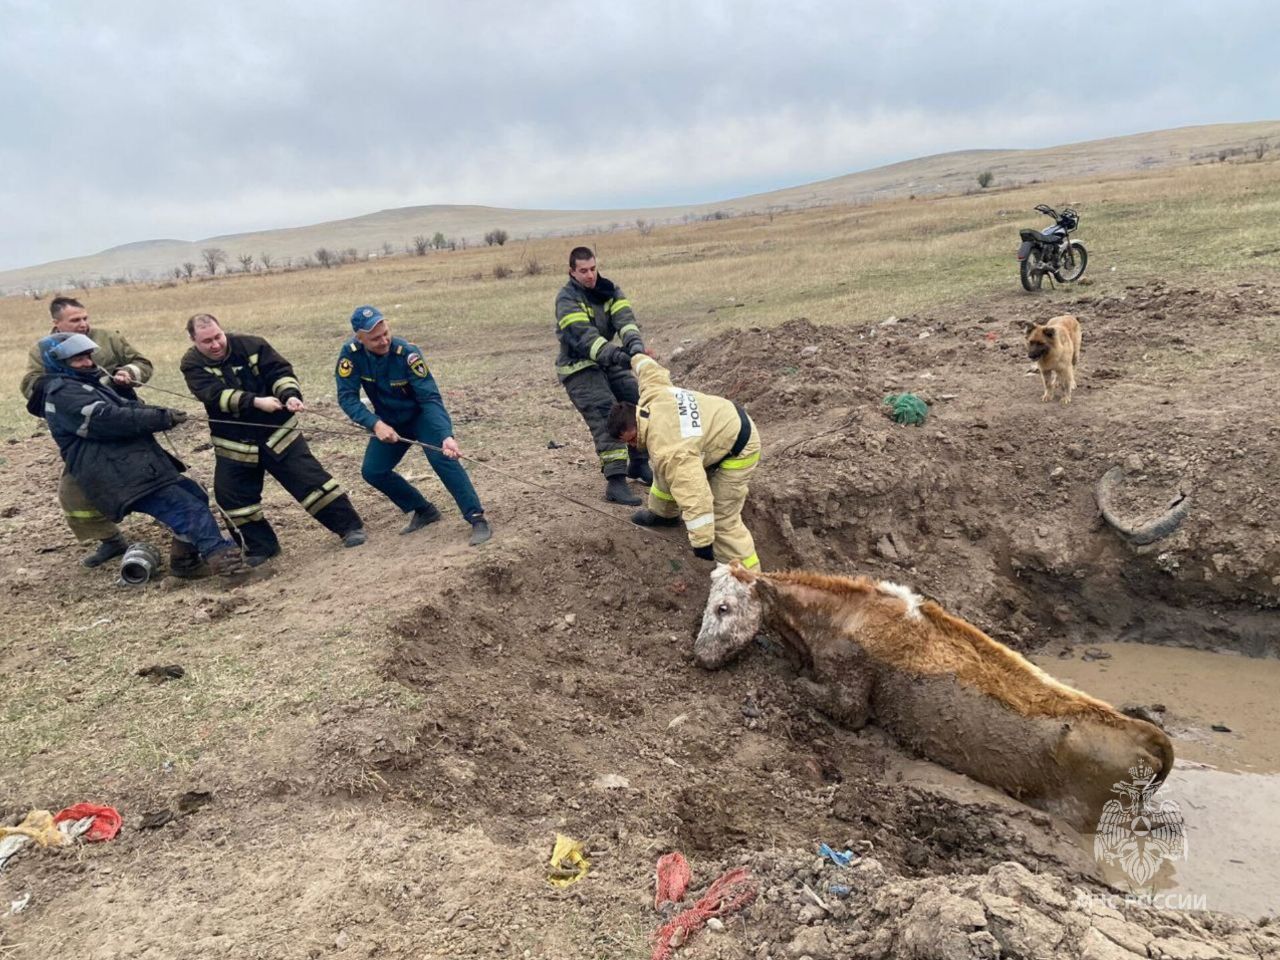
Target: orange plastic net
[673,879]
[729,894]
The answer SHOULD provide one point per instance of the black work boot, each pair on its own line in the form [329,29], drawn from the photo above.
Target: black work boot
[420,518]
[257,556]
[111,547]
[354,538]
[480,531]
[617,491]
[647,518]
[639,471]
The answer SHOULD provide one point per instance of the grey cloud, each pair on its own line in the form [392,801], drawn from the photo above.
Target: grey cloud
[148,119]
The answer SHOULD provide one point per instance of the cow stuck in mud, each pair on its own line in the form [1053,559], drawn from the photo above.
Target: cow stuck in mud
[940,686]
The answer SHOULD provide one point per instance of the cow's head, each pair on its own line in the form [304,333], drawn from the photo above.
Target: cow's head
[732,617]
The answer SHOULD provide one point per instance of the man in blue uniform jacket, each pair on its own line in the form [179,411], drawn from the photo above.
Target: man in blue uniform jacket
[407,407]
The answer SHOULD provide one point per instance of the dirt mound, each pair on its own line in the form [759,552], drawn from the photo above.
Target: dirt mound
[990,505]
[547,689]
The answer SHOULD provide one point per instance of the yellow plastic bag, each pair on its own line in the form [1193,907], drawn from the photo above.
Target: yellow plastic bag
[568,862]
[39,826]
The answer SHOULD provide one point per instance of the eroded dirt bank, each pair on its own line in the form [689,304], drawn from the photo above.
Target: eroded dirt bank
[990,505]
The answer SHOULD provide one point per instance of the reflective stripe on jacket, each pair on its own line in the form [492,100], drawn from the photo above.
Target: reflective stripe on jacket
[587,322]
[252,368]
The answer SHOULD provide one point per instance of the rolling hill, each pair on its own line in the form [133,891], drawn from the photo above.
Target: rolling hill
[947,173]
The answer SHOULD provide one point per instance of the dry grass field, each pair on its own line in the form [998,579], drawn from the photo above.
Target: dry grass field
[946,174]
[394,735]
[833,265]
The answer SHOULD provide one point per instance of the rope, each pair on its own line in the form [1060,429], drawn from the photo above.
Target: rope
[732,892]
[350,430]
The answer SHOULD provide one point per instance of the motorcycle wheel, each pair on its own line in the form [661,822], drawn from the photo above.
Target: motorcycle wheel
[1031,277]
[1072,263]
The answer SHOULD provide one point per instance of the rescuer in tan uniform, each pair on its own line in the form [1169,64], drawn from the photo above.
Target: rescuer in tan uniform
[702,450]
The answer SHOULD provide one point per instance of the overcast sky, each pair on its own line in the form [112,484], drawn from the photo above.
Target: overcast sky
[125,121]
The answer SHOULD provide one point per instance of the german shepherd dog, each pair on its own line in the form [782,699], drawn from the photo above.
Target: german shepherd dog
[1055,347]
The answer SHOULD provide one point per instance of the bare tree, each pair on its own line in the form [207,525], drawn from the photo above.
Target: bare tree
[420,244]
[1260,149]
[246,262]
[645,227]
[985,179]
[213,258]
[499,237]
[438,241]
[177,272]
[350,255]
[324,257]
[387,249]
[265,260]
[188,269]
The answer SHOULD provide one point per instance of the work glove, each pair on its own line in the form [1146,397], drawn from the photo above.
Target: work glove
[611,356]
[704,553]
[176,417]
[636,348]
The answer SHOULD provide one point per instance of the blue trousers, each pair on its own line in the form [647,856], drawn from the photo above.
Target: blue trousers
[381,459]
[183,507]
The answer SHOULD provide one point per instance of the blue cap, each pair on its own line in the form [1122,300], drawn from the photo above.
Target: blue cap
[365,319]
[72,346]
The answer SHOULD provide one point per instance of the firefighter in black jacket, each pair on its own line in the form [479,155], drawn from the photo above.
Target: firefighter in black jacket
[242,378]
[590,312]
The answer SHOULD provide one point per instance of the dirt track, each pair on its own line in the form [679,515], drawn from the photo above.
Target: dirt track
[558,654]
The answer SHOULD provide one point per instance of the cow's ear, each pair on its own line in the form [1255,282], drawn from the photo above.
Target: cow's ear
[766,590]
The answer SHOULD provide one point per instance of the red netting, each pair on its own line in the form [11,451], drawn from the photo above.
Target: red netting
[673,879]
[729,894]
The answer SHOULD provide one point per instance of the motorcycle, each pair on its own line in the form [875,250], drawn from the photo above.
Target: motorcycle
[1052,252]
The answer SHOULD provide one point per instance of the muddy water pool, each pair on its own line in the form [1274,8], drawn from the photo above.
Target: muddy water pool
[1226,781]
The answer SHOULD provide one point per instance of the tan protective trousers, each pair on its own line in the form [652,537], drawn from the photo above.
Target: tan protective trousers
[729,488]
[85,520]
